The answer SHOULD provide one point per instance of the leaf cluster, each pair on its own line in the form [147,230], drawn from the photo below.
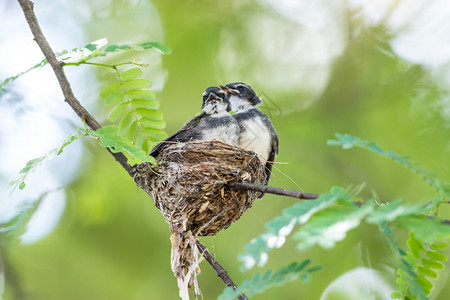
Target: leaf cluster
[135,109]
[416,267]
[95,49]
[261,282]
[326,221]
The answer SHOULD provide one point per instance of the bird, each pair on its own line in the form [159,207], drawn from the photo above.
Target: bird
[257,133]
[214,123]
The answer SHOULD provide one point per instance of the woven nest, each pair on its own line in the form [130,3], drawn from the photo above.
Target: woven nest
[189,185]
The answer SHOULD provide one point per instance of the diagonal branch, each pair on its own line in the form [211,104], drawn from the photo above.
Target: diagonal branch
[27,7]
[221,272]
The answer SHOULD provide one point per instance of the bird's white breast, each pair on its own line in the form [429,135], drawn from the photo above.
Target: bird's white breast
[256,137]
[229,133]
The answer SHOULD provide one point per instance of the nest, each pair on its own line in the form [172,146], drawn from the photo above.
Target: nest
[190,188]
[189,185]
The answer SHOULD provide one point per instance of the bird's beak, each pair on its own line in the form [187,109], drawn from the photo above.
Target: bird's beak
[228,91]
[213,96]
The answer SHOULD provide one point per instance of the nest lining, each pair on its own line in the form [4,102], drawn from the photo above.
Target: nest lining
[189,185]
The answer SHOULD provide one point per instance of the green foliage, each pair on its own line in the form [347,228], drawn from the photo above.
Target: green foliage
[135,109]
[13,78]
[347,141]
[16,226]
[109,137]
[331,225]
[92,50]
[417,267]
[261,282]
[133,102]
[274,237]
[326,220]
[33,164]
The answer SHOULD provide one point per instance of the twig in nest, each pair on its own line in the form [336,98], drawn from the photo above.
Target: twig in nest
[252,186]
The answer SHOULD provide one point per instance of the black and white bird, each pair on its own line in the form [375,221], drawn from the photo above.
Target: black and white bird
[214,123]
[257,133]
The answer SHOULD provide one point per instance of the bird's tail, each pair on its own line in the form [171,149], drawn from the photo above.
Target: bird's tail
[184,262]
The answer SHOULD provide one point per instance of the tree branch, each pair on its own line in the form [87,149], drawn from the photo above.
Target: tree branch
[271,190]
[27,7]
[221,272]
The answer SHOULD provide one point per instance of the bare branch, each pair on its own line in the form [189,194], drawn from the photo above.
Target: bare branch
[27,7]
[272,190]
[221,272]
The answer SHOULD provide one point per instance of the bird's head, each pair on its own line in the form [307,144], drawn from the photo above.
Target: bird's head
[240,95]
[215,101]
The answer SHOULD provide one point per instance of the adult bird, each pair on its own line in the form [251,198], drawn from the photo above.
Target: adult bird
[214,123]
[257,133]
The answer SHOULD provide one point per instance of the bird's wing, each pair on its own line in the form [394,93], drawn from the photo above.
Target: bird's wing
[181,136]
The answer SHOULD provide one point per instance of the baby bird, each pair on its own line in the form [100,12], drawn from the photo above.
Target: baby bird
[214,123]
[257,133]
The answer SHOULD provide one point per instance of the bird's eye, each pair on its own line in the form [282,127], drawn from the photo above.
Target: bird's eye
[240,88]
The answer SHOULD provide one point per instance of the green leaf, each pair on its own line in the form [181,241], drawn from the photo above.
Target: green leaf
[149,143]
[91,47]
[330,226]
[431,263]
[158,46]
[13,78]
[113,99]
[136,84]
[150,104]
[117,112]
[132,131]
[427,272]
[33,164]
[156,134]
[152,124]
[347,141]
[131,73]
[141,94]
[396,295]
[439,245]
[425,284]
[109,138]
[261,282]
[391,211]
[125,123]
[426,229]
[113,88]
[15,227]
[436,255]
[256,252]
[151,114]
[111,48]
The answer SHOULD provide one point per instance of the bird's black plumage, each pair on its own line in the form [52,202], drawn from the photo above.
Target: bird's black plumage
[213,123]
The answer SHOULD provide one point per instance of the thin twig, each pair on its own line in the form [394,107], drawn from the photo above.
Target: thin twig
[27,7]
[245,186]
[221,272]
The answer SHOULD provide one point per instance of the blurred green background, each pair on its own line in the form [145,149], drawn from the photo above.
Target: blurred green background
[352,67]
